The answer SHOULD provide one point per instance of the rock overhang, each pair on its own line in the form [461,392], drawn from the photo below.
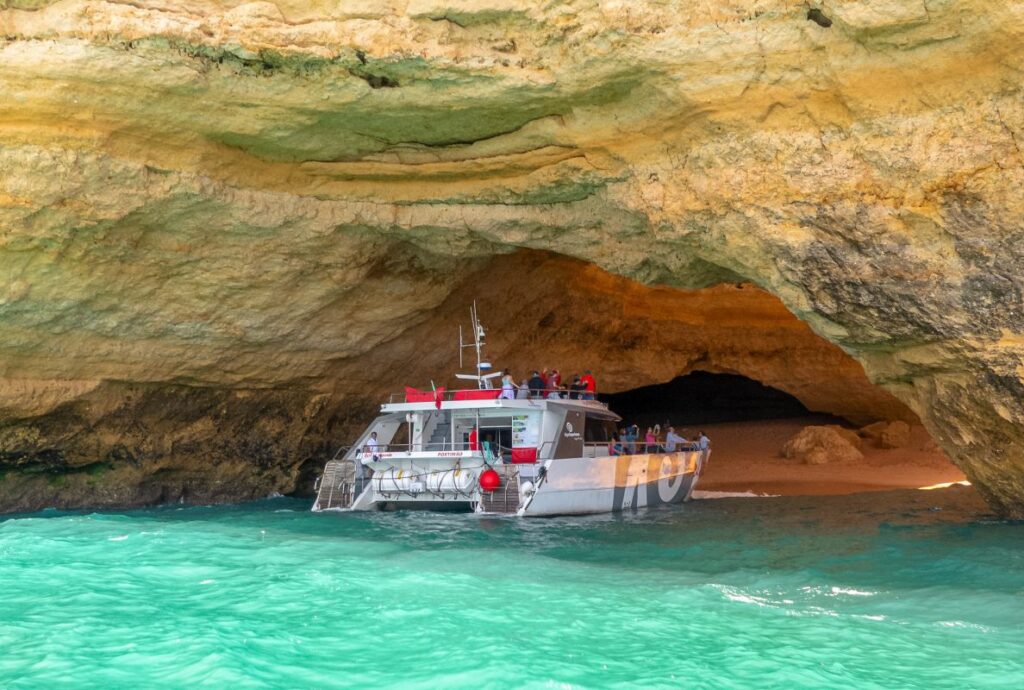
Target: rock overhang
[867,173]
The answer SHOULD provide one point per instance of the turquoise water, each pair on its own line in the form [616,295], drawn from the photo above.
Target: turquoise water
[879,591]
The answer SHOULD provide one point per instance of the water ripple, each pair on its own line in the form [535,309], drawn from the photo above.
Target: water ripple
[731,593]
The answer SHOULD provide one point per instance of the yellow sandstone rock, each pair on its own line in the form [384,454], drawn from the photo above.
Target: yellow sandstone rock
[817,445]
[222,223]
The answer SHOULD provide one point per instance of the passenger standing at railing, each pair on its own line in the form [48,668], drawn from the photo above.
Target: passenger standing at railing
[369,453]
[628,440]
[524,390]
[614,446]
[671,439]
[552,382]
[508,387]
[650,441]
[576,388]
[590,386]
[536,385]
[372,446]
[473,443]
[703,442]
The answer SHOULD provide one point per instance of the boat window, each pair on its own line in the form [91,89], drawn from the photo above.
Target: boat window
[497,431]
[495,422]
[598,430]
[401,437]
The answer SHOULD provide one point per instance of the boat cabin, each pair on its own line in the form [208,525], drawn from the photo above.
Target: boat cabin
[494,429]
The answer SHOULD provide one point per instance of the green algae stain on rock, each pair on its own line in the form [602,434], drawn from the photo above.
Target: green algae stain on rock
[25,4]
[412,114]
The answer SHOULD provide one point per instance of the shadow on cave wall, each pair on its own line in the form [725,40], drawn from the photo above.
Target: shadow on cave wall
[704,398]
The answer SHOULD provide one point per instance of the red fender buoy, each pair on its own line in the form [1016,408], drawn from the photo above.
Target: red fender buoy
[490,480]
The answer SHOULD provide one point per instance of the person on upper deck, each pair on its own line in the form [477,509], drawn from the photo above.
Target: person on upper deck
[703,442]
[536,385]
[508,386]
[576,388]
[650,441]
[671,439]
[590,385]
[552,382]
[524,390]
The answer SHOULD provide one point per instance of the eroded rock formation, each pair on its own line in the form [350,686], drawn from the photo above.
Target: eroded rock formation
[233,211]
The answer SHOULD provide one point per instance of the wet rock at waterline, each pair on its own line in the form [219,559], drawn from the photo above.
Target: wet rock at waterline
[260,203]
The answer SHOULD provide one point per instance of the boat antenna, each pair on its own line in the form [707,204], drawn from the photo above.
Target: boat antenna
[479,338]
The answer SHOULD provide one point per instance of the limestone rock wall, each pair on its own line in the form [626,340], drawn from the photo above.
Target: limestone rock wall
[235,197]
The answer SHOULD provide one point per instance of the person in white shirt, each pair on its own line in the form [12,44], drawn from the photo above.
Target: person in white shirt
[703,442]
[371,448]
[671,439]
[369,454]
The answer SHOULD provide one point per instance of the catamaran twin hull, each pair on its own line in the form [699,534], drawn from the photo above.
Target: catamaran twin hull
[495,452]
[614,483]
[564,486]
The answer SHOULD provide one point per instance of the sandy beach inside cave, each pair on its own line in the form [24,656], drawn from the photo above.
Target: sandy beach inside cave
[746,457]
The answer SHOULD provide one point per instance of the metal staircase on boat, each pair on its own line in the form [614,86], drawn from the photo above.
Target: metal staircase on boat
[440,437]
[506,499]
[339,485]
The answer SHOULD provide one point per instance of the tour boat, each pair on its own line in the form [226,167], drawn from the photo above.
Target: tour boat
[474,450]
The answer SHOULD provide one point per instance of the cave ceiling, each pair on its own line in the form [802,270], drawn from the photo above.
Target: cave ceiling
[246,195]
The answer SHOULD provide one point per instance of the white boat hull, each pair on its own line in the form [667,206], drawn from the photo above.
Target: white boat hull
[577,486]
[580,486]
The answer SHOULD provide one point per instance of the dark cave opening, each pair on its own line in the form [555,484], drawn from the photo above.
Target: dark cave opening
[704,398]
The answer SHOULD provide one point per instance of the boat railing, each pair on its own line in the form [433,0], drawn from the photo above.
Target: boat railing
[490,450]
[461,395]
[641,447]
[437,447]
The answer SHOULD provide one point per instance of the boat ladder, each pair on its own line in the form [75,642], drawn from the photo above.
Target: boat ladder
[339,485]
[506,499]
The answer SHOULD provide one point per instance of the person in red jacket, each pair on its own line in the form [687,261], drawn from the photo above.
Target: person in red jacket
[473,443]
[590,390]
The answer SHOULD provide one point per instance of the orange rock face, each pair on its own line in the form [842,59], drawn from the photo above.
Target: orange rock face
[548,311]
